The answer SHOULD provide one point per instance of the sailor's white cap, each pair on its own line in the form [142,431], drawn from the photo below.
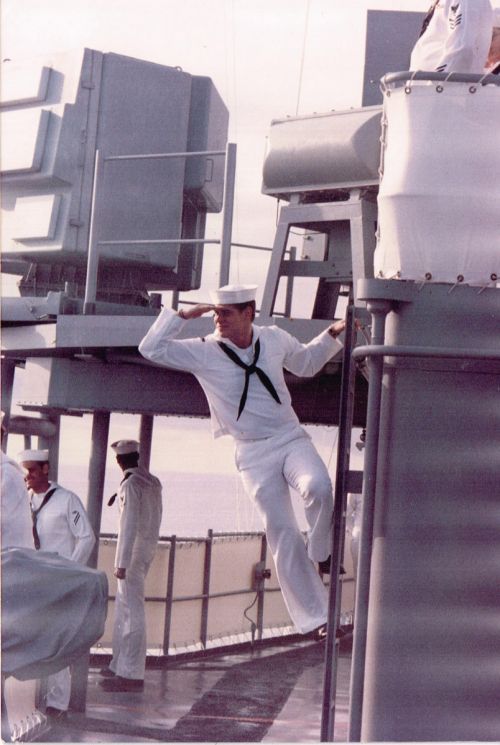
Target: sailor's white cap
[496,16]
[40,456]
[234,294]
[124,447]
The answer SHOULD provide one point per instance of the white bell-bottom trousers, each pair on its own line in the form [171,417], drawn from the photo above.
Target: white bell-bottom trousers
[129,626]
[59,689]
[267,468]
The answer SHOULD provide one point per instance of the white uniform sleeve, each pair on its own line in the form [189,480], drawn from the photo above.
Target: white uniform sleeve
[160,346]
[16,518]
[466,19]
[306,360]
[81,529]
[129,520]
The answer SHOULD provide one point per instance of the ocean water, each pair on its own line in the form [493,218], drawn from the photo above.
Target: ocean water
[192,502]
[201,487]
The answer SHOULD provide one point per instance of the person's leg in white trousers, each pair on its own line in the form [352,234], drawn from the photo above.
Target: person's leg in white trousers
[59,689]
[129,628]
[267,468]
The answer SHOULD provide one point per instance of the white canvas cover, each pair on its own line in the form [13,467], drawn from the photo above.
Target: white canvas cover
[439,198]
[53,611]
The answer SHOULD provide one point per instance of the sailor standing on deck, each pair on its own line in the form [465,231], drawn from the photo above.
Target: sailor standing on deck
[140,503]
[455,37]
[60,524]
[240,368]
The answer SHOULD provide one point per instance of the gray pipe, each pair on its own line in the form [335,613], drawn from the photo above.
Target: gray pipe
[379,310]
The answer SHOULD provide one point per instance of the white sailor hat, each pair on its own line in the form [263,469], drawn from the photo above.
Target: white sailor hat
[234,294]
[124,447]
[41,456]
[496,16]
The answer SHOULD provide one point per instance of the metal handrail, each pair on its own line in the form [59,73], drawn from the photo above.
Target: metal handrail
[449,77]
[205,595]
[392,350]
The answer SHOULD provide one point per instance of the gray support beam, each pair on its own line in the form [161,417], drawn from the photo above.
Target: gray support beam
[93,253]
[274,271]
[261,593]
[363,242]
[338,527]
[50,442]
[7,382]
[146,438]
[379,310]
[227,218]
[169,600]
[206,589]
[32,426]
[289,286]
[97,470]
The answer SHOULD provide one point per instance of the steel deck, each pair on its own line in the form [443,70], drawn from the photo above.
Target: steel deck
[268,694]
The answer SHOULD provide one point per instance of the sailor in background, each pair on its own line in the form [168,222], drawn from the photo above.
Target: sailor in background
[493,61]
[15,512]
[455,37]
[140,504]
[240,368]
[61,525]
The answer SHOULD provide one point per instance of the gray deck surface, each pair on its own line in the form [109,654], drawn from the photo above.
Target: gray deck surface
[271,694]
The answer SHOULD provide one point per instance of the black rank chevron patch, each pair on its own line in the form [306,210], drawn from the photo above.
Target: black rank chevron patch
[76,517]
[455,18]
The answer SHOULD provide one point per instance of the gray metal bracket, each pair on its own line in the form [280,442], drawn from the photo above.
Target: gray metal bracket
[359,212]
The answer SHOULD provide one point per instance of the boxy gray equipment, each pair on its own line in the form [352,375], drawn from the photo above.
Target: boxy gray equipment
[156,130]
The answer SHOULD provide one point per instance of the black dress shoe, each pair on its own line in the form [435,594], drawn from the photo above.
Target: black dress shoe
[106,672]
[117,683]
[319,634]
[54,713]
[324,566]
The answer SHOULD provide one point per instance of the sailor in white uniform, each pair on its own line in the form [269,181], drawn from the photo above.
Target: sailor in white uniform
[455,37]
[240,368]
[61,525]
[140,504]
[493,61]
[15,512]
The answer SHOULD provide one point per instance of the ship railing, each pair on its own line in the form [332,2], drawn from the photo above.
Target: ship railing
[208,592]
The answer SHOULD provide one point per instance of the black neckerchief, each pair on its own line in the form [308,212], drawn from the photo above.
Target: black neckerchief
[249,370]
[428,18]
[34,516]
[112,498]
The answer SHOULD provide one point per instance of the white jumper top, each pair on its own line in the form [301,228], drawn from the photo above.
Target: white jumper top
[457,38]
[140,504]
[222,380]
[16,519]
[62,524]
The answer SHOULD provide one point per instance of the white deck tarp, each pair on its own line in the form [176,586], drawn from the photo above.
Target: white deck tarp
[53,610]
[439,198]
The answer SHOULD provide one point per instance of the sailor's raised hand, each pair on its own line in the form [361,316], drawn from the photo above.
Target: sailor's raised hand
[195,311]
